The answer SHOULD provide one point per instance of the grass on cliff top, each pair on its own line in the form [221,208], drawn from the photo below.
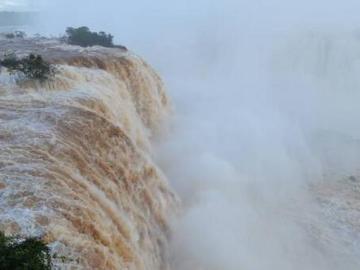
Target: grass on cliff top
[28,254]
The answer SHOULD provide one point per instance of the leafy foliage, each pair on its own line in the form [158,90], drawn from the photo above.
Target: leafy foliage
[10,35]
[83,37]
[32,66]
[16,34]
[28,254]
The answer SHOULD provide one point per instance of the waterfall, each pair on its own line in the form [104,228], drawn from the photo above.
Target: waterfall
[76,162]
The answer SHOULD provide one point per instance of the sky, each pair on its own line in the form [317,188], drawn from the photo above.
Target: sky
[274,9]
[11,5]
[21,5]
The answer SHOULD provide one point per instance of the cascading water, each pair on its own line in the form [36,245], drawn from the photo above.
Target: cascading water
[76,163]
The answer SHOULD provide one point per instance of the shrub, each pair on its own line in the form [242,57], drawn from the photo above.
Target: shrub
[20,34]
[32,66]
[16,34]
[29,254]
[10,35]
[83,37]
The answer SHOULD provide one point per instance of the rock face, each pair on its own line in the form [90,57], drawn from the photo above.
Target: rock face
[75,158]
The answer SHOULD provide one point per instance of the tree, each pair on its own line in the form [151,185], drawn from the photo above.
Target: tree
[83,37]
[16,34]
[32,66]
[29,254]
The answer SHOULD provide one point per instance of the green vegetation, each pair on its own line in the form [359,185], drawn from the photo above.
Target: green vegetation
[28,254]
[16,34]
[83,37]
[32,66]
